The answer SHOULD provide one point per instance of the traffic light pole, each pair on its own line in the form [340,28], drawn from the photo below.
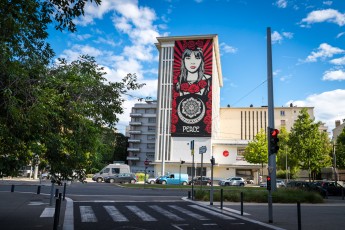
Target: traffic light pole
[271,157]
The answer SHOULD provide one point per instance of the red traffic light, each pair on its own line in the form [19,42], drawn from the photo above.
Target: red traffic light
[274,132]
[268,178]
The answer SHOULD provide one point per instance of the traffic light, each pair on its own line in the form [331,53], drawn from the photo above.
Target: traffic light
[274,140]
[212,161]
[182,162]
[192,147]
[269,184]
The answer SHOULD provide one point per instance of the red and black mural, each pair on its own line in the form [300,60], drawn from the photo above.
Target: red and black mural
[192,88]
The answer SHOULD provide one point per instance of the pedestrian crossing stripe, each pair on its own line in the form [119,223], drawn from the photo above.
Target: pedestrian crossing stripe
[166,213]
[189,213]
[48,212]
[88,215]
[141,214]
[115,214]
[222,216]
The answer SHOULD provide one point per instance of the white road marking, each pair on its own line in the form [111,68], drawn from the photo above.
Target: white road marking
[115,214]
[217,214]
[168,214]
[48,212]
[141,214]
[87,214]
[189,213]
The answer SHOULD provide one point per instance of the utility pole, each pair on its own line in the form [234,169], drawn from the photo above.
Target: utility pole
[271,157]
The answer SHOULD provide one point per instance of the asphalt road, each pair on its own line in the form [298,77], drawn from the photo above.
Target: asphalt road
[107,206]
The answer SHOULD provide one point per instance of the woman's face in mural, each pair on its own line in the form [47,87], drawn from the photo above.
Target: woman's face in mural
[192,62]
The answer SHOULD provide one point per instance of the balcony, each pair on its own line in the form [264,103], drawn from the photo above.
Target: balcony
[134,141]
[135,123]
[133,149]
[134,131]
[135,114]
[133,158]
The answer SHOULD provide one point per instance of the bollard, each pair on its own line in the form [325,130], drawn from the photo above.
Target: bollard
[56,214]
[12,188]
[64,190]
[221,198]
[299,215]
[38,189]
[189,192]
[56,192]
[241,203]
[51,194]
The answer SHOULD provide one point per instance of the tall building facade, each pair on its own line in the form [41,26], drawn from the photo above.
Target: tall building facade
[142,136]
[189,82]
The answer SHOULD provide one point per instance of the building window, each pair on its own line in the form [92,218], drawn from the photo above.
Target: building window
[150,145]
[151,128]
[282,113]
[240,151]
[282,123]
[152,120]
[151,137]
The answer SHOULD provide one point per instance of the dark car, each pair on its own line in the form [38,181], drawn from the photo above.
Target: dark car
[199,181]
[308,186]
[332,188]
[121,178]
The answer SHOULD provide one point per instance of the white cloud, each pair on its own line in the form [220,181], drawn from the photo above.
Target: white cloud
[81,37]
[227,49]
[328,3]
[338,61]
[340,34]
[322,52]
[334,75]
[281,3]
[107,41]
[278,38]
[328,106]
[328,15]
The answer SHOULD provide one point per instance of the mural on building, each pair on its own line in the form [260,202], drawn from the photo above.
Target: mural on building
[192,88]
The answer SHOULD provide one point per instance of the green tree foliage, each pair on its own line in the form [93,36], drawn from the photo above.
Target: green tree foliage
[74,105]
[340,150]
[257,150]
[284,158]
[309,146]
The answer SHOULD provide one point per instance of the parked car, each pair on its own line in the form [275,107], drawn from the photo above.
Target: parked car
[201,181]
[308,186]
[332,188]
[173,178]
[232,181]
[121,178]
[279,183]
[151,180]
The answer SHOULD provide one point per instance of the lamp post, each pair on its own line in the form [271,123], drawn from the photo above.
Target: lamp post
[181,163]
[335,164]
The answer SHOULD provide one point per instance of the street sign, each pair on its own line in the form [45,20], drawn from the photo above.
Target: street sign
[202,149]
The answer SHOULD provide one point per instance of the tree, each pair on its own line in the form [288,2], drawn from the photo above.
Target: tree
[257,150]
[309,147]
[74,105]
[340,150]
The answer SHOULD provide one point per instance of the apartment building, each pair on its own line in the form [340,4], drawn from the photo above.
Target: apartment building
[142,136]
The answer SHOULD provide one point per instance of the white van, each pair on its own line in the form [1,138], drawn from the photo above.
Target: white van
[110,170]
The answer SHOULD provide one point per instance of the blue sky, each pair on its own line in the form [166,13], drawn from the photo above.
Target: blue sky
[308,39]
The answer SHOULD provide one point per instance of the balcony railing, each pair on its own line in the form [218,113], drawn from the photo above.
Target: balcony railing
[133,149]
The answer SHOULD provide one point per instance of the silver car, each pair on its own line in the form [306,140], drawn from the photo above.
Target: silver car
[232,181]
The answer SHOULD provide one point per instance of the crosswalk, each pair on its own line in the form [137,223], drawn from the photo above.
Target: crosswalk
[172,212]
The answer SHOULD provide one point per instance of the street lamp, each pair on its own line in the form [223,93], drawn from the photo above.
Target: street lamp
[181,163]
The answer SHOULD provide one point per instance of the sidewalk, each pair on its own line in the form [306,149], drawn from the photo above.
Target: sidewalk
[329,215]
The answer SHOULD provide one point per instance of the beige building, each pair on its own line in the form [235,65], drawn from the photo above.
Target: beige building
[225,132]
[338,129]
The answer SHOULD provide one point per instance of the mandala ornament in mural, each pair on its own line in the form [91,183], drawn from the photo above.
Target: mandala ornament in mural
[191,110]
